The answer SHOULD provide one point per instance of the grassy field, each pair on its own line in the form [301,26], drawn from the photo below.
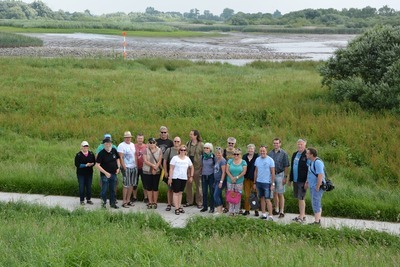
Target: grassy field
[50,105]
[37,236]
[16,40]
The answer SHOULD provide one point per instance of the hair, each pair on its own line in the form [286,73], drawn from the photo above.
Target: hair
[237,151]
[210,146]
[181,147]
[302,140]
[140,134]
[251,146]
[312,151]
[197,134]
[277,139]
[231,140]
[163,128]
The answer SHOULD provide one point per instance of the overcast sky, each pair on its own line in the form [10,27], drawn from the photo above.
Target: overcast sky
[216,7]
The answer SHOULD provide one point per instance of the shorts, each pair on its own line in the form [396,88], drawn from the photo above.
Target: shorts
[178,185]
[298,190]
[151,182]
[129,177]
[316,198]
[279,186]
[264,190]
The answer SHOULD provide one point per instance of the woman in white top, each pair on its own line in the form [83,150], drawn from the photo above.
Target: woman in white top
[178,176]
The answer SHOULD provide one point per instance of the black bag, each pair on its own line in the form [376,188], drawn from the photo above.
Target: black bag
[327,185]
[254,202]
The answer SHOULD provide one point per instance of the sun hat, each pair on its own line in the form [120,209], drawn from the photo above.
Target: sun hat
[84,143]
[127,134]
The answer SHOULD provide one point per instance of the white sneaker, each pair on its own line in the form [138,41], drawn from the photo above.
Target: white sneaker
[270,218]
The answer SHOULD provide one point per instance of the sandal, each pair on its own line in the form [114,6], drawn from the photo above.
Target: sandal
[181,210]
[225,210]
[168,208]
[125,205]
[155,205]
[187,205]
[177,212]
[149,206]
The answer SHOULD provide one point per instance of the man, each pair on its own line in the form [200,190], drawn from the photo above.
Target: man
[298,175]
[168,155]
[127,153]
[140,149]
[195,152]
[228,152]
[281,160]
[163,142]
[108,163]
[264,181]
[316,175]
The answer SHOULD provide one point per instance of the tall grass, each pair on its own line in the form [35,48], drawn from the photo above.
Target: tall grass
[36,236]
[50,105]
[16,40]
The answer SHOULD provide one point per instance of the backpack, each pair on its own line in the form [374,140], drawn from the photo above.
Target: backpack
[327,185]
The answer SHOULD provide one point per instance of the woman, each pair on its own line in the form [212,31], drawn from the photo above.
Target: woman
[219,179]
[168,155]
[195,151]
[207,177]
[151,172]
[250,158]
[178,172]
[236,168]
[84,162]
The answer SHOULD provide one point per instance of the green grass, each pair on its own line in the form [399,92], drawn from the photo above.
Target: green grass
[50,105]
[36,236]
[16,40]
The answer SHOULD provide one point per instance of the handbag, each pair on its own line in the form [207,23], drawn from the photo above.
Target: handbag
[233,197]
[254,202]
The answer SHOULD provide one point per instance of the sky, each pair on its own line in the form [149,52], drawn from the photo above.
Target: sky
[98,7]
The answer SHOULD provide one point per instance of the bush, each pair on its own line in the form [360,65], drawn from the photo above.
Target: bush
[367,70]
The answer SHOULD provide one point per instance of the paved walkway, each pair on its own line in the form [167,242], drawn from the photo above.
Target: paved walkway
[72,203]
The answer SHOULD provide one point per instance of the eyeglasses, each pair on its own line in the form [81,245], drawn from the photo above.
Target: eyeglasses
[163,132]
[182,149]
[152,143]
[177,141]
[236,154]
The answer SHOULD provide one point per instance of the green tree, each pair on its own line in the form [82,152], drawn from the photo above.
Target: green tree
[277,14]
[227,13]
[367,70]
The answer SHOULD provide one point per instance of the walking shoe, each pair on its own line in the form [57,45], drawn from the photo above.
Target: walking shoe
[114,206]
[203,210]
[263,217]
[246,213]
[211,211]
[270,218]
[89,202]
[281,215]
[256,213]
[82,203]
[274,212]
[315,223]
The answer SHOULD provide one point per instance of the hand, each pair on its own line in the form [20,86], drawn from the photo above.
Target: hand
[108,175]
[254,186]
[170,181]
[220,185]
[284,181]
[317,188]
[116,171]
[306,185]
[190,180]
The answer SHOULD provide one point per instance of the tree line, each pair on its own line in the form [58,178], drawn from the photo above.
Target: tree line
[347,18]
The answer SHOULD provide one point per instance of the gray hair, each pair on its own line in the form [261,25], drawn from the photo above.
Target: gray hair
[251,146]
[302,141]
[209,145]
[231,140]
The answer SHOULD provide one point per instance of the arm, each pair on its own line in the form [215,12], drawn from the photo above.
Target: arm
[121,156]
[319,181]
[171,172]
[147,161]
[228,173]
[119,165]
[272,169]
[255,177]
[108,175]
[286,173]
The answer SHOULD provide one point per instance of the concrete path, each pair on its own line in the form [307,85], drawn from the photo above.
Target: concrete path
[72,203]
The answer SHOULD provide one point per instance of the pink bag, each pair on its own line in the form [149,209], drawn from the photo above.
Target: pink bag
[233,197]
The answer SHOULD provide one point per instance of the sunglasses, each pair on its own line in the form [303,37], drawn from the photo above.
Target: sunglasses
[85,146]
[236,154]
[182,149]
[231,143]
[177,141]
[163,132]
[152,143]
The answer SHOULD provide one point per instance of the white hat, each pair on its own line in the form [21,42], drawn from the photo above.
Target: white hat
[127,134]
[84,143]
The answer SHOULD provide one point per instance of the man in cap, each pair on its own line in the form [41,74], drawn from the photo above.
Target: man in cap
[128,158]
[100,148]
[108,163]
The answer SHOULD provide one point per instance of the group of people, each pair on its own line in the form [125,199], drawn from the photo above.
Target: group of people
[211,171]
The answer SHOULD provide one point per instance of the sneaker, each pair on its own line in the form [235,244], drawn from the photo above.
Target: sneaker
[281,215]
[203,210]
[246,213]
[274,212]
[211,211]
[115,207]
[270,218]
[90,202]
[256,213]
[82,203]
[315,223]
[263,217]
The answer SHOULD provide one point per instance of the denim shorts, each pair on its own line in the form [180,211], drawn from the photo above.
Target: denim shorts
[279,186]
[316,198]
[264,190]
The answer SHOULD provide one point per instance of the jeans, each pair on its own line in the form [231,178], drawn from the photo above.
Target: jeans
[85,182]
[207,181]
[105,184]
[218,193]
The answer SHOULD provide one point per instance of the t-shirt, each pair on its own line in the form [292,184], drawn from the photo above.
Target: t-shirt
[101,147]
[164,144]
[108,160]
[217,169]
[129,154]
[264,166]
[169,154]
[181,167]
[236,170]
[208,166]
[296,166]
[317,167]
[139,153]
